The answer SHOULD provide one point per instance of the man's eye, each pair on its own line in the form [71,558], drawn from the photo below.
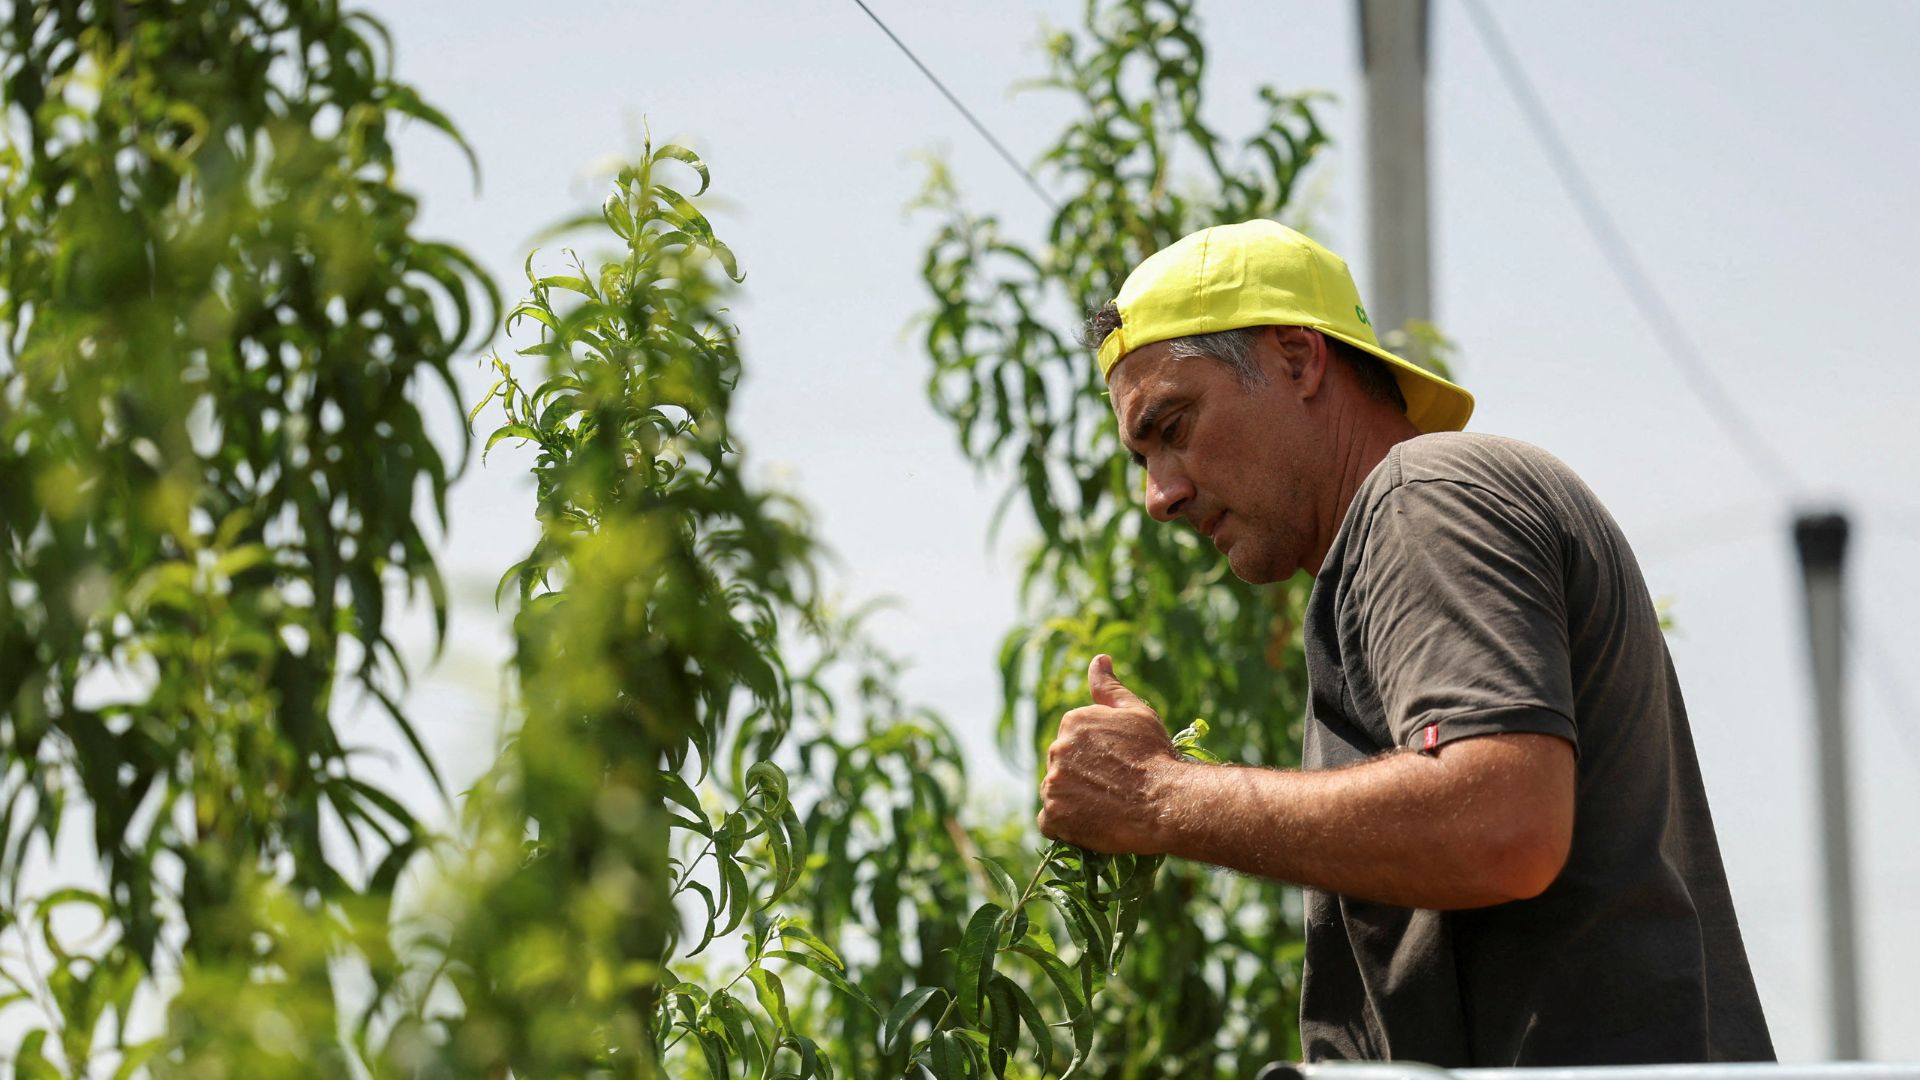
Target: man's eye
[1167,433]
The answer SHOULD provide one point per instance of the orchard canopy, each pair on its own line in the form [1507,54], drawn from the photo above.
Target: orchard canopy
[718,841]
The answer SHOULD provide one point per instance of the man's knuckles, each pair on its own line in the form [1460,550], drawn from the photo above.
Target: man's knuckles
[1096,717]
[1053,819]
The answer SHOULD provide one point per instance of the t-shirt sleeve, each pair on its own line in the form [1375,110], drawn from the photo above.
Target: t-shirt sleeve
[1463,617]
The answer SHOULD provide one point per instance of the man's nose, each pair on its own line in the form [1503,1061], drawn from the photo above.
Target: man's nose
[1168,492]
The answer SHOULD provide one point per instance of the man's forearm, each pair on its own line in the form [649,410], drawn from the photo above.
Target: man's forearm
[1417,830]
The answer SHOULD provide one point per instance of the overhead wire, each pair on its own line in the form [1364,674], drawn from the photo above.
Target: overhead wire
[1899,709]
[1892,694]
[1674,340]
[1673,337]
[999,148]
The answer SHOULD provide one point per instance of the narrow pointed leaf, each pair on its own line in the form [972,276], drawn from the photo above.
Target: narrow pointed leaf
[1003,1025]
[682,154]
[773,997]
[946,1056]
[828,972]
[798,934]
[1036,1023]
[902,1013]
[975,962]
[1001,878]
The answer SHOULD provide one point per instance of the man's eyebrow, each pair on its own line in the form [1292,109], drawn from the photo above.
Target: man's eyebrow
[1144,425]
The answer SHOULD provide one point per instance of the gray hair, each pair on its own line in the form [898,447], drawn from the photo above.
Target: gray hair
[1235,348]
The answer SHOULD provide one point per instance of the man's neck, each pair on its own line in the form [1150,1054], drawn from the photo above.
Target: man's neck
[1368,436]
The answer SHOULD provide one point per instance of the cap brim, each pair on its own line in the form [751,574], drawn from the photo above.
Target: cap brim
[1433,403]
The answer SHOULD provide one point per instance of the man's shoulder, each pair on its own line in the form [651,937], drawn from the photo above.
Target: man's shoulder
[1460,476]
[1468,456]
[1509,468]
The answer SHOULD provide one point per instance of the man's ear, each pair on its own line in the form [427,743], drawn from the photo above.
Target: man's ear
[1302,356]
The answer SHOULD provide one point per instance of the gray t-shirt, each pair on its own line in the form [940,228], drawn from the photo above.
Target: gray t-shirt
[1477,586]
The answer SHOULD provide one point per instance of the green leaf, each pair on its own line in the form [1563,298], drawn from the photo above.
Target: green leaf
[1030,1013]
[1058,973]
[734,890]
[946,1059]
[975,962]
[902,1012]
[537,312]
[975,1045]
[828,972]
[241,559]
[713,916]
[404,99]
[713,1045]
[135,1057]
[682,154]
[740,1031]
[1003,1029]
[798,934]
[798,840]
[784,871]
[728,261]
[675,787]
[567,282]
[1082,926]
[29,1063]
[1001,878]
[768,778]
[811,1063]
[618,216]
[773,996]
[508,431]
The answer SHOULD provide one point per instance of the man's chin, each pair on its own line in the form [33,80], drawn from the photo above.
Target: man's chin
[1253,566]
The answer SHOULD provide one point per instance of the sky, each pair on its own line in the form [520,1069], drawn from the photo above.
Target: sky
[1758,157]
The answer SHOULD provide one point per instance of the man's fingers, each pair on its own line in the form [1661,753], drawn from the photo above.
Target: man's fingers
[1108,690]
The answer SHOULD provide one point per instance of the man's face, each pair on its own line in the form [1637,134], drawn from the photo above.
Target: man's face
[1236,462]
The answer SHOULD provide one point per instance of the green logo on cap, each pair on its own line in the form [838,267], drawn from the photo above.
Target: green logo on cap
[1362,312]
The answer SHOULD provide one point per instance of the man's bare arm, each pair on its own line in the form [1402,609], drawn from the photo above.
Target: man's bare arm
[1482,821]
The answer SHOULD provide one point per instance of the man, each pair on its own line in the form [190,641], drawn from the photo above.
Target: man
[1500,824]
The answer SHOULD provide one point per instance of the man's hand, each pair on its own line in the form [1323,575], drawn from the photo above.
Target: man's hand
[1107,771]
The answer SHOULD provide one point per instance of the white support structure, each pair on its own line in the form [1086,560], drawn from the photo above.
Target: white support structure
[1371,1070]
[1393,58]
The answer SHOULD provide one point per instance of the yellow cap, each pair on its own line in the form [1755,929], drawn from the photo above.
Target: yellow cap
[1261,273]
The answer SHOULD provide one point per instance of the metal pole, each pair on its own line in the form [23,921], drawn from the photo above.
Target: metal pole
[1746,1070]
[1822,539]
[1393,57]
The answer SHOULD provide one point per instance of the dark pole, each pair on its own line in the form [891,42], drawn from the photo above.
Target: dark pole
[1822,540]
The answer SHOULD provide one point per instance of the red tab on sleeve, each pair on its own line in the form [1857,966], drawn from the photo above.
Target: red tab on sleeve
[1433,737]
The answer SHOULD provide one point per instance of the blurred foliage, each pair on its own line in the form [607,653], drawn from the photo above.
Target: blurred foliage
[718,842]
[1211,985]
[216,325]
[649,612]
[708,750]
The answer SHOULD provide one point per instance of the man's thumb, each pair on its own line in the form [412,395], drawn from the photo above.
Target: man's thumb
[1105,688]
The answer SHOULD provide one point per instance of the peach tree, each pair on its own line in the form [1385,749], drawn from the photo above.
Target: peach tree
[1211,984]
[708,753]
[217,327]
